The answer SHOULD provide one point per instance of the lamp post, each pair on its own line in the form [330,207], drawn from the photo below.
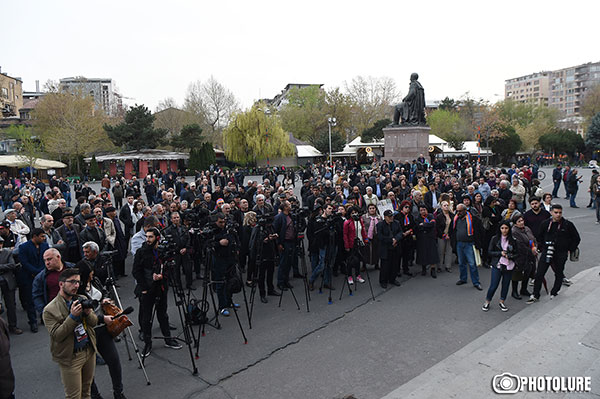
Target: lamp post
[331,122]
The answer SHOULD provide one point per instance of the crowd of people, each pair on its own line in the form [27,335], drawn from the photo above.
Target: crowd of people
[397,218]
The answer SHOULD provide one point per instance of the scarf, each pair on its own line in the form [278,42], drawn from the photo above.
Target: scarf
[372,226]
[469,220]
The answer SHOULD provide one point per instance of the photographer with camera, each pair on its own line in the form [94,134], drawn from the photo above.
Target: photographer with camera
[283,226]
[502,251]
[223,261]
[320,245]
[263,250]
[557,237]
[72,336]
[178,236]
[8,286]
[152,285]
[93,289]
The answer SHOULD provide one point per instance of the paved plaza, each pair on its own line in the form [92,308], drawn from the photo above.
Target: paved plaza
[427,338]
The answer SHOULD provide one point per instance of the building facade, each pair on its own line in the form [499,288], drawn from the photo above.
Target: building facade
[11,95]
[534,88]
[563,89]
[102,90]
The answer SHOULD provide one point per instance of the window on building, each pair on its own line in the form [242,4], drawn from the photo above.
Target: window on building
[4,92]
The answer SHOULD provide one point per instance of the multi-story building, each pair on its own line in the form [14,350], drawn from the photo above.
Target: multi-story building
[532,88]
[11,95]
[281,99]
[569,86]
[101,90]
[563,89]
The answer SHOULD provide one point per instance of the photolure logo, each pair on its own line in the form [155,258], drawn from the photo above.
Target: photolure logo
[507,383]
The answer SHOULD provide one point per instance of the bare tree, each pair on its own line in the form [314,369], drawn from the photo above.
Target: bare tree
[371,99]
[167,103]
[214,103]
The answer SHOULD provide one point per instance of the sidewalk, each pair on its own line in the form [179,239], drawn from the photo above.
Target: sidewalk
[559,337]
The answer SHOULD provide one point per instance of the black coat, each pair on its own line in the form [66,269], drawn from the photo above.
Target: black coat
[385,234]
[426,232]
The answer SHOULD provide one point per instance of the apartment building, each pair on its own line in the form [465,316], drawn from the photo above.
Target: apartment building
[11,95]
[534,88]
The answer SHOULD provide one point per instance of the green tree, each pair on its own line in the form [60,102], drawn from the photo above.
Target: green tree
[189,137]
[321,142]
[592,137]
[591,103]
[448,126]
[562,141]
[507,144]
[201,157]
[137,131]
[305,114]
[448,104]
[375,132]
[254,135]
[95,172]
[70,126]
[30,147]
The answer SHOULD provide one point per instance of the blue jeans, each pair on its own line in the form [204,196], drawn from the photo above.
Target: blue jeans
[67,197]
[556,187]
[498,275]
[286,260]
[466,258]
[317,262]
[572,197]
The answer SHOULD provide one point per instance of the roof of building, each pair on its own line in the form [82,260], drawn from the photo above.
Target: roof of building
[147,154]
[30,104]
[17,161]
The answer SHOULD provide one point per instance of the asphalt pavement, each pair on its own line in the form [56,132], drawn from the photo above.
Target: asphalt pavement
[354,347]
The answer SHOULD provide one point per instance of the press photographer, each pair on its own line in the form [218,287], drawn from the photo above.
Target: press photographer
[223,261]
[93,289]
[152,285]
[178,236]
[283,226]
[72,336]
[263,251]
[557,237]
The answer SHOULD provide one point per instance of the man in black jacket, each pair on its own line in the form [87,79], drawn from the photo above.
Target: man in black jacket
[556,238]
[126,216]
[223,260]
[8,286]
[92,233]
[389,234]
[179,235]
[69,233]
[151,288]
[557,178]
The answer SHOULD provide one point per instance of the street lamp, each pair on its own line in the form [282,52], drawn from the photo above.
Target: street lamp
[332,122]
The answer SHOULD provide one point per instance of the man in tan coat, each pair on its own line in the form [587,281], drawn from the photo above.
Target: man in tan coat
[72,336]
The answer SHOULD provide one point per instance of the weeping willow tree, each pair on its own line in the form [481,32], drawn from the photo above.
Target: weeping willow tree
[255,134]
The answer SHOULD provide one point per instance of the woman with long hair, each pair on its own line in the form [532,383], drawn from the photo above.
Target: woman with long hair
[502,250]
[526,256]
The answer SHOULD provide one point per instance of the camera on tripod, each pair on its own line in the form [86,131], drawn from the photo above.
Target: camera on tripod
[167,248]
[265,219]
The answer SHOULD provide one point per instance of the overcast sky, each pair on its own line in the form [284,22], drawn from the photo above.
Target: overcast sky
[154,49]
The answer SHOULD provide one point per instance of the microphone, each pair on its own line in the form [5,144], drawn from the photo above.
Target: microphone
[127,310]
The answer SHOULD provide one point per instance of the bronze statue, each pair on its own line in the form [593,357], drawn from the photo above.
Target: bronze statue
[411,111]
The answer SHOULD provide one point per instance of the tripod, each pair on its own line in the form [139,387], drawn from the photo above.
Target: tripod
[291,291]
[356,252]
[184,317]
[263,233]
[304,270]
[110,284]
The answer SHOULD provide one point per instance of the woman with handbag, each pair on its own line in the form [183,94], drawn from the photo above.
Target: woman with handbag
[502,251]
[526,256]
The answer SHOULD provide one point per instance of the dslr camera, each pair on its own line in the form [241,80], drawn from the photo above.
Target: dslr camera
[87,303]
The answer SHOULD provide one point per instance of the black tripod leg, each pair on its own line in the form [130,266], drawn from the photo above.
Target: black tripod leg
[246,303]
[294,296]
[240,324]
[369,280]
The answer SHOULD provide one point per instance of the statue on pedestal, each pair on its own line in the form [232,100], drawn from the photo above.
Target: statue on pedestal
[411,111]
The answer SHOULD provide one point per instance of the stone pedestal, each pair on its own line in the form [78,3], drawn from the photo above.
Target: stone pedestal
[406,142]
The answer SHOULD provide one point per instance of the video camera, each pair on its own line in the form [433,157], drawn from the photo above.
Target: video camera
[265,219]
[167,247]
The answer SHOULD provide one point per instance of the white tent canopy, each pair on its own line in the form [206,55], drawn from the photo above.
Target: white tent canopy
[18,161]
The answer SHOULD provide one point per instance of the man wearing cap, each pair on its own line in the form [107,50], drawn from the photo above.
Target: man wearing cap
[19,228]
[9,238]
[69,234]
[57,213]
[119,243]
[8,286]
[389,234]
[91,232]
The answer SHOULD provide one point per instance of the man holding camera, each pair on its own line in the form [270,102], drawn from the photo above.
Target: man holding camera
[556,238]
[179,236]
[72,336]
[224,258]
[152,285]
[283,226]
